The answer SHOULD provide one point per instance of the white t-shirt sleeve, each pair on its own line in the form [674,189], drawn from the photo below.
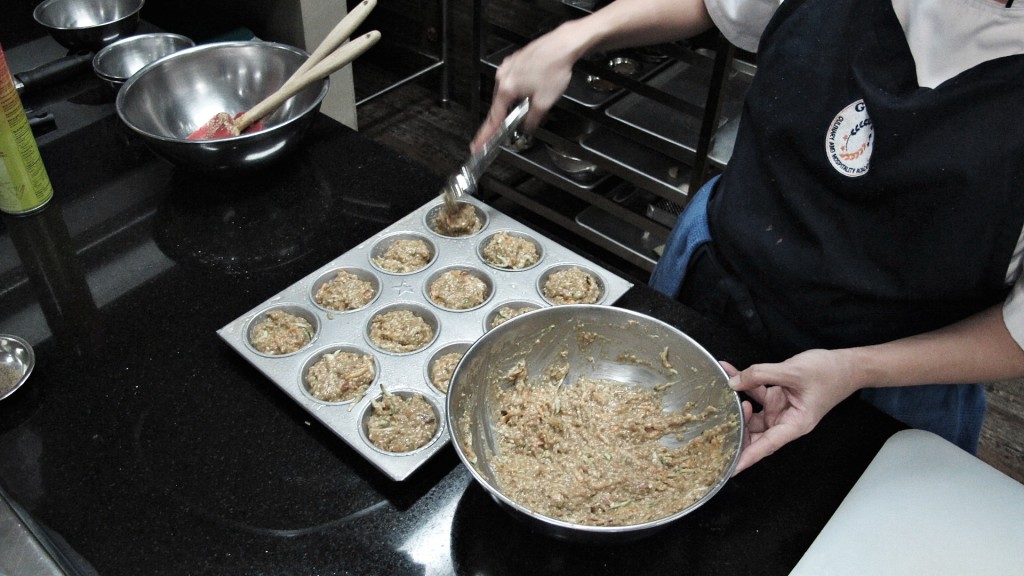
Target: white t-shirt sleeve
[1013,306]
[1013,312]
[742,21]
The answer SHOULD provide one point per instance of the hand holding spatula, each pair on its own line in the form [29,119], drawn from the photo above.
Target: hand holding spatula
[325,60]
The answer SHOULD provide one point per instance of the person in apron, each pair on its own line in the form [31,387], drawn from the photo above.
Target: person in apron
[867,230]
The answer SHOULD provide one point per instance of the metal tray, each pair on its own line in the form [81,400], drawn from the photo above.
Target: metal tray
[579,89]
[689,83]
[454,330]
[538,157]
[667,171]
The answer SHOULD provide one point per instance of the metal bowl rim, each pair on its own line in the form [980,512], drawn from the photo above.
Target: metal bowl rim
[30,362]
[583,529]
[106,50]
[42,6]
[126,90]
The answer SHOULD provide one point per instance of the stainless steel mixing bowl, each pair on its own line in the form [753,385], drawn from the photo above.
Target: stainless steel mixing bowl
[117,61]
[168,99]
[627,350]
[88,24]
[573,166]
[17,360]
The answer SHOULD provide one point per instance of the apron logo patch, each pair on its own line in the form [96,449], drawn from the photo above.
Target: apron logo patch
[849,139]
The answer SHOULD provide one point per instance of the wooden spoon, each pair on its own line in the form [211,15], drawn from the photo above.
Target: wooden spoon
[223,125]
[337,36]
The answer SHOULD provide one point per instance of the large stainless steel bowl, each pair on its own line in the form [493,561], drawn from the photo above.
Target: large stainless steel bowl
[88,24]
[628,350]
[168,99]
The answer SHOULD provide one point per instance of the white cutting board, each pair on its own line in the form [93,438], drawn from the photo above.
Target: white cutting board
[923,507]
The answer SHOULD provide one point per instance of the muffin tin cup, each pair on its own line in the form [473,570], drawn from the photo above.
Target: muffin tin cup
[406,372]
[293,309]
[418,310]
[428,367]
[482,247]
[360,273]
[513,304]
[432,213]
[435,406]
[316,356]
[381,245]
[428,287]
[599,279]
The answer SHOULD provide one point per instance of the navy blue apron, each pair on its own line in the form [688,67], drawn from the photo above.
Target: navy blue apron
[858,207]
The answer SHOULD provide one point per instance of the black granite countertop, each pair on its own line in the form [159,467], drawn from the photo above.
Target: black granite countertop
[142,444]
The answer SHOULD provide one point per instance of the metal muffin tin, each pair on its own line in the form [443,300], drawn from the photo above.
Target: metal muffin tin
[405,373]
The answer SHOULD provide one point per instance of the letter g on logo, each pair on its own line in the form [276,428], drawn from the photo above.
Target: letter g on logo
[849,139]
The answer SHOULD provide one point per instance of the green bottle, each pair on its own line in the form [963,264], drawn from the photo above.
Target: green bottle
[24,185]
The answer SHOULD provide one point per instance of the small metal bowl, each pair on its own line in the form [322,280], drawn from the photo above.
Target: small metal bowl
[621,346]
[16,359]
[88,25]
[620,65]
[117,62]
[624,65]
[573,166]
[168,99]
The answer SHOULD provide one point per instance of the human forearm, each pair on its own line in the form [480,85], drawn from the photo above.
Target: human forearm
[977,349]
[542,69]
[797,393]
[628,23]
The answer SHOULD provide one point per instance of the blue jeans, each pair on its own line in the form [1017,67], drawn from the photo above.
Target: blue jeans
[955,412]
[691,230]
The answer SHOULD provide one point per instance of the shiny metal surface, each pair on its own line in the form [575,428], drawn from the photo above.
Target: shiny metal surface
[515,234]
[116,62]
[168,99]
[24,552]
[665,122]
[88,24]
[541,338]
[453,329]
[573,166]
[464,180]
[16,352]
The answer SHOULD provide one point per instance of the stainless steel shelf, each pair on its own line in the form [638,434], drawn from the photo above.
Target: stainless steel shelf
[664,129]
[441,63]
[662,121]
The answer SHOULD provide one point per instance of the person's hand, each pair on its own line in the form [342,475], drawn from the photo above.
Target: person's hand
[540,71]
[795,395]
